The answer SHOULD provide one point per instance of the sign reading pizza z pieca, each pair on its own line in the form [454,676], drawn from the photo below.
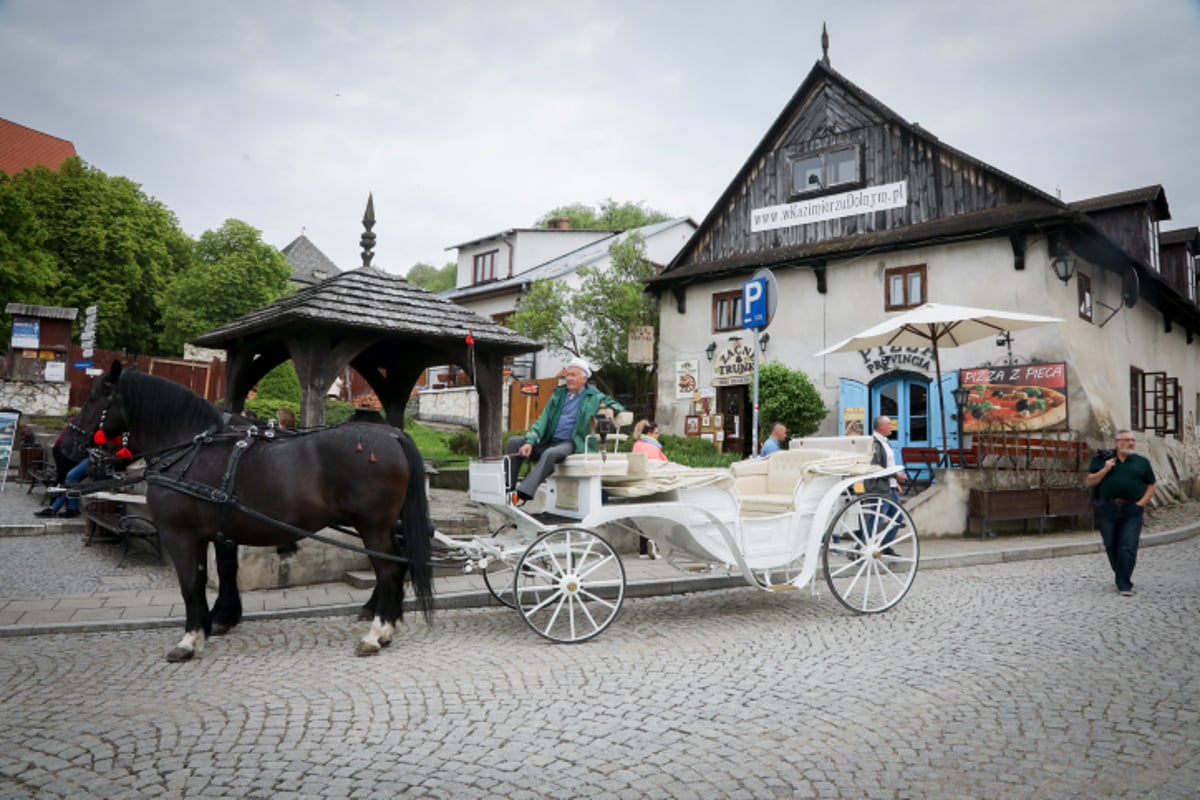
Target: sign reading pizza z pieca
[1028,397]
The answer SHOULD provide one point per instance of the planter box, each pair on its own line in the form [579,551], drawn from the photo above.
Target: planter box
[1067,502]
[1006,503]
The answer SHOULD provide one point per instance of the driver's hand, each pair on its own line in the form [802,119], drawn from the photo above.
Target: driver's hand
[525,450]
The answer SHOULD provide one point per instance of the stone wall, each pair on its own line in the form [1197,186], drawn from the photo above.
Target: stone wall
[457,406]
[36,398]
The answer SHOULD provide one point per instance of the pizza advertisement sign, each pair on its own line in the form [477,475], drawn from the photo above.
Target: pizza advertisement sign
[1021,397]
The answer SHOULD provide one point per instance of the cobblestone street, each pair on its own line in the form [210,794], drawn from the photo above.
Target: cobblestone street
[1024,680]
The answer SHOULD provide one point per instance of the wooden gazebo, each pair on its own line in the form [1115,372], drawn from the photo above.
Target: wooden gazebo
[382,326]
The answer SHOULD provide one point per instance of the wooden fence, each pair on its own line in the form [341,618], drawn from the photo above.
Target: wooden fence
[205,378]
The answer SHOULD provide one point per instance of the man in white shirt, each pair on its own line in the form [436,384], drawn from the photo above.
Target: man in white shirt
[882,449]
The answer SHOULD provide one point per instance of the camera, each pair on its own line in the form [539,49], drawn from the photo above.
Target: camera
[1105,453]
[605,427]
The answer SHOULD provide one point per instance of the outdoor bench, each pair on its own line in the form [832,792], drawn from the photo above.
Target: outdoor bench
[919,464]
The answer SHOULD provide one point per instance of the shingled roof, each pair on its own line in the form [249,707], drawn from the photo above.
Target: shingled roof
[45,312]
[368,299]
[1153,195]
[309,264]
[22,148]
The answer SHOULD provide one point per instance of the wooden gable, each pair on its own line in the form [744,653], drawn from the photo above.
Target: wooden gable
[829,114]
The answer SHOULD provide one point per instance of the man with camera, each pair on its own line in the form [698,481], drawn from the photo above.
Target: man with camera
[1124,483]
[561,430]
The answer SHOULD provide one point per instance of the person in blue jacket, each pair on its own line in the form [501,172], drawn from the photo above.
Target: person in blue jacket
[561,429]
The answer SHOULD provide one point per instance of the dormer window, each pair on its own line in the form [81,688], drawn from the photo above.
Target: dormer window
[824,170]
[484,267]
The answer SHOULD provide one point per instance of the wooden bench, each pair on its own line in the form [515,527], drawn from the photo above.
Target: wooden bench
[37,468]
[125,529]
[1030,451]
[963,459]
[919,464]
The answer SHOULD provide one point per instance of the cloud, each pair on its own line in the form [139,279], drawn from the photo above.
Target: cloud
[466,118]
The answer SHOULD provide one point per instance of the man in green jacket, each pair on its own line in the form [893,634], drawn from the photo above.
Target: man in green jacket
[561,430]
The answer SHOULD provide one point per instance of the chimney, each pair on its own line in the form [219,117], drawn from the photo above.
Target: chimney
[559,224]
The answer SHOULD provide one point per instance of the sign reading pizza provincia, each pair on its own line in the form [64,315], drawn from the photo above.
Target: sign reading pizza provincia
[1024,397]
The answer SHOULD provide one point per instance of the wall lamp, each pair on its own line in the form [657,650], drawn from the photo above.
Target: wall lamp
[960,395]
[762,341]
[1063,263]
[711,350]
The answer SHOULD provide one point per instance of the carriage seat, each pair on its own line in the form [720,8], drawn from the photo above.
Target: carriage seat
[768,485]
[624,466]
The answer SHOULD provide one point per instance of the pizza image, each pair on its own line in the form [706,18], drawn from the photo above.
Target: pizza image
[687,383]
[998,406]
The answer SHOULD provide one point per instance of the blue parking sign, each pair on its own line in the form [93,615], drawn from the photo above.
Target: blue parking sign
[754,303]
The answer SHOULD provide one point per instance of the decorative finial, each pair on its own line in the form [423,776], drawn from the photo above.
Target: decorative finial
[368,238]
[824,45]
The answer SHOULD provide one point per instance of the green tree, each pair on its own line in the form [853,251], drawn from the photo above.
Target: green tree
[105,242]
[234,272]
[430,277]
[788,396]
[611,215]
[594,320]
[28,272]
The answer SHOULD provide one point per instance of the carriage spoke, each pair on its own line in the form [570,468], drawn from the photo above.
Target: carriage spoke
[880,540]
[583,577]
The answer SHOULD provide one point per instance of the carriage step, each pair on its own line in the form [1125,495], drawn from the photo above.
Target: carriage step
[782,587]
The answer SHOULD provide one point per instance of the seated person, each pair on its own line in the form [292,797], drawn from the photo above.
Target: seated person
[25,436]
[561,430]
[646,433]
[74,477]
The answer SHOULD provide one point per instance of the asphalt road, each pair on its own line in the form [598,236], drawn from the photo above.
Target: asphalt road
[1022,680]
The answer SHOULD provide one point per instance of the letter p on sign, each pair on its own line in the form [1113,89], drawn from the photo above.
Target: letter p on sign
[754,303]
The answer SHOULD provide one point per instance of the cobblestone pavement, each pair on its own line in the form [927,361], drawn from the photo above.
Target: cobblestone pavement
[1021,680]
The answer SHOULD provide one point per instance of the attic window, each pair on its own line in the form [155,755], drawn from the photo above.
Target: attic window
[484,267]
[823,170]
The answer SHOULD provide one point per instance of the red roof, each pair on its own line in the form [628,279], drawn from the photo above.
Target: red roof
[22,148]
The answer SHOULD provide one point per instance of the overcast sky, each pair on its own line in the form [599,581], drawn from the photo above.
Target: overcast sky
[467,118]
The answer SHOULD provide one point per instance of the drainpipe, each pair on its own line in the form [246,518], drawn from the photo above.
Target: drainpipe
[511,255]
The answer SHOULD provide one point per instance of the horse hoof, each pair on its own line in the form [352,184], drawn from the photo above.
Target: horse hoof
[366,615]
[180,654]
[219,629]
[365,649]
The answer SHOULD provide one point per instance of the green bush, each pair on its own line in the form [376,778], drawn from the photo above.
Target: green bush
[464,443]
[693,452]
[788,396]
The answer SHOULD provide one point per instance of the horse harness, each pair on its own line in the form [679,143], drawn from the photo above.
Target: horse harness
[182,455]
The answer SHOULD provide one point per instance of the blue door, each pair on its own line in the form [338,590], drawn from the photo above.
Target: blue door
[904,398]
[913,403]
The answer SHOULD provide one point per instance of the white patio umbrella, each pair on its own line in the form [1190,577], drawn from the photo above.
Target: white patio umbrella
[937,325]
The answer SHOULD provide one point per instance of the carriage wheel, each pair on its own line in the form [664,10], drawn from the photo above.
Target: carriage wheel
[870,554]
[569,585]
[498,575]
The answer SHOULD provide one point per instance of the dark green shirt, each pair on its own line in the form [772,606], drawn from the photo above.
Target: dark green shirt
[1128,479]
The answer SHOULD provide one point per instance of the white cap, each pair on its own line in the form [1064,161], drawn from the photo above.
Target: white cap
[582,365]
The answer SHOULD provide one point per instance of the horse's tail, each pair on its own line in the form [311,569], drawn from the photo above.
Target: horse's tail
[418,528]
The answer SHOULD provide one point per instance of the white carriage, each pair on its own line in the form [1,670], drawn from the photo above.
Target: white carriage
[783,523]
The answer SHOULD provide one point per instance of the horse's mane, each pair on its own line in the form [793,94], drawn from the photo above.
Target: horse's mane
[159,404]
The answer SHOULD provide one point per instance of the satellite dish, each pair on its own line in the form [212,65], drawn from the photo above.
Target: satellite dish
[1129,288]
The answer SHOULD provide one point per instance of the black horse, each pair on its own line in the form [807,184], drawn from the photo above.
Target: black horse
[232,489]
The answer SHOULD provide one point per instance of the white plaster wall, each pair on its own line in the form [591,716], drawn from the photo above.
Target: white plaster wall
[531,248]
[978,273]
